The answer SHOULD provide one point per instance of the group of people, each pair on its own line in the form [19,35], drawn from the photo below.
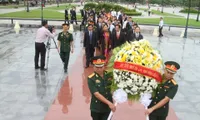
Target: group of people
[103,35]
[64,45]
[108,32]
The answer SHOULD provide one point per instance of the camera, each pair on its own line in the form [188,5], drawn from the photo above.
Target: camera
[50,28]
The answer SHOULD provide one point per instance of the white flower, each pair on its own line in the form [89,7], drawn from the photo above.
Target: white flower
[120,85]
[145,83]
[129,82]
[128,91]
[134,89]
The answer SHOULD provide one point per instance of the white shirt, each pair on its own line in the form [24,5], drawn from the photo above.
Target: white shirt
[124,24]
[137,35]
[42,35]
[113,13]
[111,27]
[118,14]
[161,23]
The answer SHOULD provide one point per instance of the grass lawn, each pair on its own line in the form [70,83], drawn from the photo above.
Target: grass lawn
[168,20]
[144,9]
[159,13]
[61,7]
[47,13]
[164,13]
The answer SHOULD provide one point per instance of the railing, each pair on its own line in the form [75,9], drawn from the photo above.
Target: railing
[38,19]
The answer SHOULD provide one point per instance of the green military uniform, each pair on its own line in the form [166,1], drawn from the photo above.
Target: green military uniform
[96,83]
[167,89]
[65,40]
[99,110]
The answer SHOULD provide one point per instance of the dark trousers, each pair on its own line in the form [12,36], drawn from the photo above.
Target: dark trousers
[73,19]
[89,51]
[99,116]
[160,31]
[154,117]
[40,50]
[65,58]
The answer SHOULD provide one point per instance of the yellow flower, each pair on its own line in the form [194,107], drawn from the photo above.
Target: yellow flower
[141,50]
[155,57]
[124,58]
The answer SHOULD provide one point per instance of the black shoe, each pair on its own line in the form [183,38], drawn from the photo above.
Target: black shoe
[37,67]
[65,70]
[87,66]
[44,69]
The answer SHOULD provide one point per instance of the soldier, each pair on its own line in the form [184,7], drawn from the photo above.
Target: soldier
[65,45]
[99,85]
[159,107]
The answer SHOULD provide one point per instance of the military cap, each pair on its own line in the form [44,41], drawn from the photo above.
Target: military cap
[99,61]
[172,66]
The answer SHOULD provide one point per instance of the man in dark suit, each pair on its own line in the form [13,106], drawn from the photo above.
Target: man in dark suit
[118,37]
[131,33]
[90,42]
[92,12]
[136,35]
[73,16]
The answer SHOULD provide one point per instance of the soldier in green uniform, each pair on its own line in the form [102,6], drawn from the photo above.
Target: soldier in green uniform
[65,45]
[159,107]
[99,85]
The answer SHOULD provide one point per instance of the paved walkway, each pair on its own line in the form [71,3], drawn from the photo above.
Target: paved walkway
[169,10]
[29,94]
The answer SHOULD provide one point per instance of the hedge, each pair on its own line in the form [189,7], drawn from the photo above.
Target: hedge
[185,10]
[108,7]
[133,13]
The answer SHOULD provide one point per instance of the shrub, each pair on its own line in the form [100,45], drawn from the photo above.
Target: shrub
[90,5]
[133,13]
[108,7]
[185,10]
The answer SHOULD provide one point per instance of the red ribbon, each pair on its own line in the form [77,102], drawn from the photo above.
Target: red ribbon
[138,69]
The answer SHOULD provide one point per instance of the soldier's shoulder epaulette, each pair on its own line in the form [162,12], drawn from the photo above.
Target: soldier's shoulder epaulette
[92,75]
[173,81]
[70,33]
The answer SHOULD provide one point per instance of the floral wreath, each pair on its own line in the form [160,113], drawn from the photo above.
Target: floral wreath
[136,68]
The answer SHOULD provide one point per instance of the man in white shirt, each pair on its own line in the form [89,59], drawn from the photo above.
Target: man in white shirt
[41,36]
[111,26]
[161,27]
[113,13]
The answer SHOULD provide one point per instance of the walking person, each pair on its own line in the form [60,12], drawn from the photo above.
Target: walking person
[73,16]
[90,43]
[159,106]
[41,36]
[99,84]
[65,45]
[161,27]
[118,37]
